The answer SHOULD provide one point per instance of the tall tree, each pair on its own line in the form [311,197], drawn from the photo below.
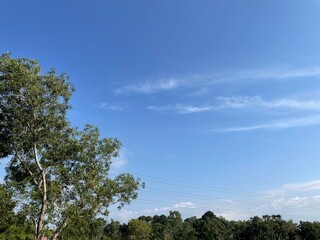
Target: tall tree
[58,172]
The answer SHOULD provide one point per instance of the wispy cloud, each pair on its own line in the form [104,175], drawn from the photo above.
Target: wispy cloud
[176,206]
[202,80]
[107,106]
[242,103]
[150,87]
[125,215]
[258,102]
[296,187]
[184,205]
[180,108]
[289,123]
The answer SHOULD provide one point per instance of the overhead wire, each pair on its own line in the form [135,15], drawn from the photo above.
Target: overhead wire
[214,189]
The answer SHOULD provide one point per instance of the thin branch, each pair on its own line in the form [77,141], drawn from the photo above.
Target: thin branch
[59,229]
[28,169]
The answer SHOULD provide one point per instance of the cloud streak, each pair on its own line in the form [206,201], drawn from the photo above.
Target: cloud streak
[150,87]
[203,80]
[180,108]
[283,124]
[107,106]
[296,187]
[258,102]
[242,103]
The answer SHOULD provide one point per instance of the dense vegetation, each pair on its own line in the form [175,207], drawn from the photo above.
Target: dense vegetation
[171,227]
[208,227]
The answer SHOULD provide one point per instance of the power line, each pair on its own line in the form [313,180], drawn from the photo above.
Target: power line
[205,187]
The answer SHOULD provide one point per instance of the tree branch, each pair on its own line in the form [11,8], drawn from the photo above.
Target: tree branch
[28,169]
[59,229]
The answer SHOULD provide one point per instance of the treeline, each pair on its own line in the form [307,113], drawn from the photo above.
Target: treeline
[171,227]
[17,226]
[208,227]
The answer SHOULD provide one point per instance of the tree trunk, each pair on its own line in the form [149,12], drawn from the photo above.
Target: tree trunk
[40,222]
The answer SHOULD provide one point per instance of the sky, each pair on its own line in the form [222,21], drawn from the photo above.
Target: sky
[216,103]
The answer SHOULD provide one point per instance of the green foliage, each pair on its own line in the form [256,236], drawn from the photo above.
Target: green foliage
[58,173]
[84,229]
[139,230]
[309,230]
[212,227]
[115,231]
[269,227]
[12,225]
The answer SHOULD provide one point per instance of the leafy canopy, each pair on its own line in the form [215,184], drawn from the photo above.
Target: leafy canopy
[58,173]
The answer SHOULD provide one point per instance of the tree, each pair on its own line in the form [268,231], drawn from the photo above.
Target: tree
[58,173]
[83,230]
[176,225]
[268,228]
[139,229]
[115,231]
[309,230]
[6,210]
[212,227]
[160,227]
[188,228]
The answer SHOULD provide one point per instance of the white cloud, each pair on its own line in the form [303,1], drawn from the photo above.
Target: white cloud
[203,80]
[242,103]
[296,187]
[124,215]
[258,102]
[184,205]
[317,197]
[282,73]
[287,123]
[157,210]
[176,206]
[179,108]
[107,106]
[150,87]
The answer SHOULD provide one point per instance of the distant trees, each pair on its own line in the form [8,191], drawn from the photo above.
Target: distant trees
[211,227]
[164,227]
[309,230]
[268,228]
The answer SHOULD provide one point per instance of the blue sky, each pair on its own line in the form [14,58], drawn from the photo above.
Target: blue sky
[217,103]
